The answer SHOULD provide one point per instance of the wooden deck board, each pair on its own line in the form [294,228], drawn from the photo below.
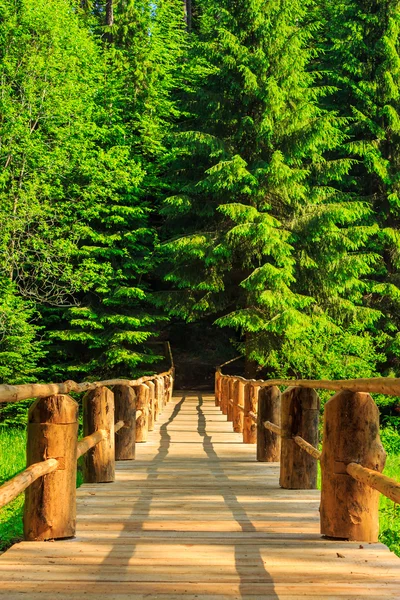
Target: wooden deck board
[196,517]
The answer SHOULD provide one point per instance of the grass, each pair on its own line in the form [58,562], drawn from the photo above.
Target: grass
[12,460]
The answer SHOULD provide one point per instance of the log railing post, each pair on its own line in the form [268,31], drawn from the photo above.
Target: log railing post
[152,395]
[142,403]
[224,395]
[98,413]
[300,417]
[238,414]
[349,508]
[50,502]
[231,398]
[251,391]
[269,409]
[159,397]
[168,388]
[125,410]
[218,382]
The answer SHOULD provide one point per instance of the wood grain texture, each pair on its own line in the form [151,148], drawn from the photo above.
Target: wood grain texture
[349,508]
[152,395]
[142,406]
[98,413]
[269,409]
[238,409]
[50,502]
[197,517]
[18,484]
[231,400]
[300,417]
[250,406]
[125,410]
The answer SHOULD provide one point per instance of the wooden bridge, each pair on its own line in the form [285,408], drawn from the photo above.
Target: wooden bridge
[195,515]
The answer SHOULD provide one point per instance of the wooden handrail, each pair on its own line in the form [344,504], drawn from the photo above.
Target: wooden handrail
[301,399]
[309,448]
[272,427]
[377,481]
[252,415]
[389,386]
[15,393]
[90,441]
[119,426]
[53,428]
[15,486]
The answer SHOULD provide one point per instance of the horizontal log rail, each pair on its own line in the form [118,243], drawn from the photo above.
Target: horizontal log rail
[90,441]
[16,393]
[18,484]
[390,386]
[285,425]
[119,426]
[375,480]
[314,452]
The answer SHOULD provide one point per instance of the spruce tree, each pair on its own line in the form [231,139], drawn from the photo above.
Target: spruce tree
[258,234]
[361,62]
[107,333]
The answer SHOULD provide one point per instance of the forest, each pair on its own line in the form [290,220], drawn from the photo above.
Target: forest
[223,175]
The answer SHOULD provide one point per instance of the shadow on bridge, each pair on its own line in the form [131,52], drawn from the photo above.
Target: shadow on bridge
[143,504]
[237,510]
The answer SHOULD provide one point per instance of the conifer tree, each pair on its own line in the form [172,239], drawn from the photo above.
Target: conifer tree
[107,333]
[361,61]
[263,239]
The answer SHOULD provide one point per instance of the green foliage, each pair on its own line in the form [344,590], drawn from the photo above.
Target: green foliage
[263,239]
[11,462]
[361,63]
[20,351]
[390,434]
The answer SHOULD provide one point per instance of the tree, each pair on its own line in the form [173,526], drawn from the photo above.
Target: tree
[263,239]
[47,69]
[107,333]
[361,62]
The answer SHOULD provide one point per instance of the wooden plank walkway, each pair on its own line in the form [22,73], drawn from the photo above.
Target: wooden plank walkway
[196,517]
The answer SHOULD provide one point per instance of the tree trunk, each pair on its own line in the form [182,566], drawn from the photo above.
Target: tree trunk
[187,9]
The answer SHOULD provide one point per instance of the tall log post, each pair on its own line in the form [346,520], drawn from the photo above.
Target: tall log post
[98,413]
[238,414]
[152,395]
[142,403]
[168,388]
[300,417]
[217,387]
[231,398]
[269,409]
[125,410]
[159,397]
[224,395]
[349,508]
[50,502]
[250,405]
[172,381]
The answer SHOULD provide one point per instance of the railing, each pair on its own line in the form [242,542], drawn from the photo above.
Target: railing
[113,422]
[285,428]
